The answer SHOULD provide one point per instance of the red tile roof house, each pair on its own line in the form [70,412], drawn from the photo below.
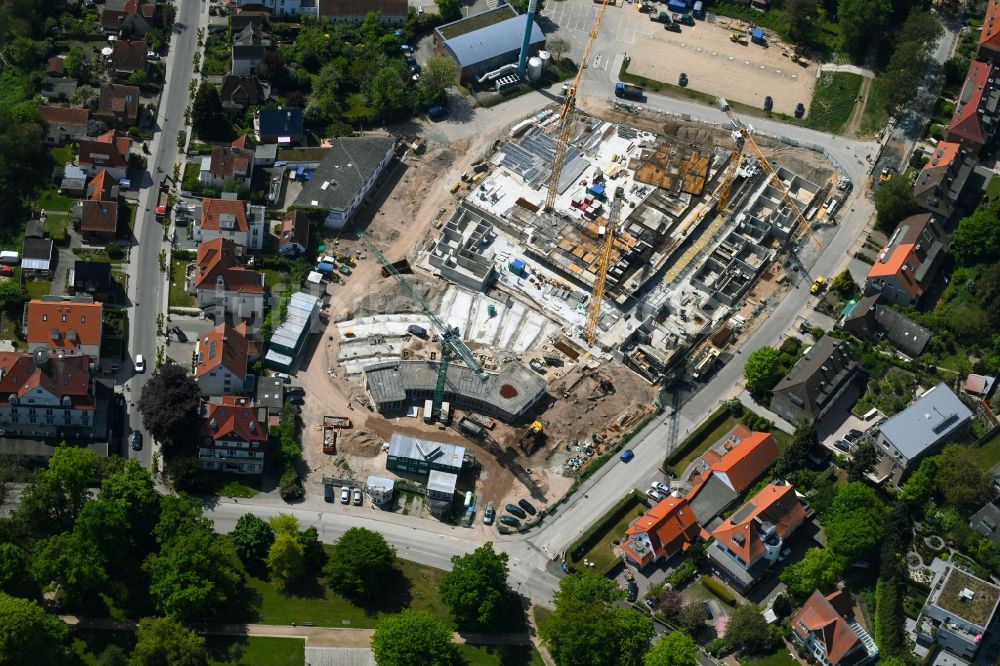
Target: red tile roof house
[233,220]
[294,238]
[222,357]
[989,36]
[973,122]
[748,543]
[108,151]
[825,627]
[128,57]
[233,436]
[46,396]
[99,221]
[905,268]
[941,181]
[660,533]
[220,282]
[226,164]
[62,125]
[64,328]
[118,106]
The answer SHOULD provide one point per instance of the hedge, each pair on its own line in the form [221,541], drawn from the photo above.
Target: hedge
[719,590]
[698,434]
[623,506]
[682,574]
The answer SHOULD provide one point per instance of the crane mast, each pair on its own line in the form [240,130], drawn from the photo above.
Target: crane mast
[451,342]
[594,310]
[568,110]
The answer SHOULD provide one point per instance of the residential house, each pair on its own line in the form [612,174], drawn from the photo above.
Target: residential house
[48,396]
[249,48]
[906,266]
[92,278]
[750,541]
[128,57]
[870,320]
[73,182]
[62,125]
[973,123]
[979,386]
[99,221]
[347,175]
[986,521]
[936,418]
[233,437]
[942,180]
[226,165]
[289,8]
[662,532]
[391,12]
[244,142]
[37,257]
[727,469]
[958,611]
[222,356]
[118,105]
[64,327]
[294,237]
[816,381]
[124,24]
[281,126]
[989,35]
[826,628]
[224,286]
[55,67]
[108,151]
[301,321]
[102,187]
[231,219]
[239,93]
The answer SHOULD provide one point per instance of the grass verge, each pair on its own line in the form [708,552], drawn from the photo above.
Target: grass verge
[833,101]
[988,454]
[178,296]
[224,650]
[874,116]
[499,655]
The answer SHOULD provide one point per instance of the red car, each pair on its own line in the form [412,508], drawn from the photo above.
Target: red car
[6,270]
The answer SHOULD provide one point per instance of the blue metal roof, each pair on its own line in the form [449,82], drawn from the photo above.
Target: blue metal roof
[492,41]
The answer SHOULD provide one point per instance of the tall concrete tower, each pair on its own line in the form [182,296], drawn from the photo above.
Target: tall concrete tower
[522,61]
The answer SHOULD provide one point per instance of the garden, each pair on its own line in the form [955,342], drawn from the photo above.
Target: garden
[833,101]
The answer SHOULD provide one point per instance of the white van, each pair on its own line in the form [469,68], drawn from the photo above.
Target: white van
[10,257]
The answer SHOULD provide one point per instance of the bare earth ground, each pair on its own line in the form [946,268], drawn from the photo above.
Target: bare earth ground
[720,67]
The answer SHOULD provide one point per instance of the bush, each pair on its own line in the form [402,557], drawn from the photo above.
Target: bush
[290,487]
[115,251]
[719,590]
[682,574]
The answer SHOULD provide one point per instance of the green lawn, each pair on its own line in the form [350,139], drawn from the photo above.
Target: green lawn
[358,109]
[988,454]
[779,658]
[710,438]
[833,100]
[875,114]
[224,650]
[414,586]
[189,180]
[61,154]
[499,655]
[993,189]
[38,288]
[781,438]
[50,199]
[234,488]
[602,553]
[272,278]
[178,296]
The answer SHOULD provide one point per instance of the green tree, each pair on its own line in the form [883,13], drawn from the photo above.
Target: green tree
[161,641]
[955,69]
[389,94]
[692,617]
[29,635]
[54,499]
[252,537]
[977,238]
[439,74]
[762,371]
[863,461]
[802,16]
[132,488]
[324,104]
[285,560]
[894,201]
[919,488]
[860,21]
[449,10]
[796,454]
[207,116]
[558,46]
[71,564]
[105,525]
[74,63]
[475,590]
[113,656]
[12,295]
[312,550]
[193,576]
[845,285]
[13,570]
[361,559]
[413,637]
[284,523]
[747,630]
[675,649]
[170,403]
[960,480]
[854,522]
[179,515]
[588,629]
[819,569]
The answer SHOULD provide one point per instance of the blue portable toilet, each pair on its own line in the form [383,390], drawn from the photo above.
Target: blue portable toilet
[758,36]
[325,268]
[677,5]
[517,267]
[699,10]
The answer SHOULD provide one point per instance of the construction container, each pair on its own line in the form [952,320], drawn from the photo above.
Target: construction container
[517,267]
[416,330]
[428,410]
[445,417]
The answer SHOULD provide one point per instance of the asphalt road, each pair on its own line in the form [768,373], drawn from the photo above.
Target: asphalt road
[146,282]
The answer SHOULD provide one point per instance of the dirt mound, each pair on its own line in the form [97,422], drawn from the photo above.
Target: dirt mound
[360,443]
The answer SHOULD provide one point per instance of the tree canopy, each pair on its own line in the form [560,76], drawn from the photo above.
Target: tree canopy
[893,202]
[285,560]
[854,522]
[475,590]
[819,569]
[860,21]
[762,370]
[361,559]
[29,635]
[169,406]
[72,564]
[977,238]
[413,637]
[748,631]
[161,641]
[960,480]
[52,502]
[252,537]
[675,649]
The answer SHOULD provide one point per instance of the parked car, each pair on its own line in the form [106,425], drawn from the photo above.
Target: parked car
[768,103]
[283,376]
[654,494]
[135,439]
[295,399]
[632,592]
[627,455]
[327,492]
[853,435]
[509,521]
[800,110]
[662,487]
[842,445]
[672,27]
[140,363]
[886,175]
[295,390]
[708,609]
[489,515]
[345,495]
[527,506]
[6,270]
[357,497]
[516,510]
[682,81]
[179,334]
[152,55]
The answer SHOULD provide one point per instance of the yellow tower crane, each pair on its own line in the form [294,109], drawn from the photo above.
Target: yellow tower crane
[566,115]
[603,263]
